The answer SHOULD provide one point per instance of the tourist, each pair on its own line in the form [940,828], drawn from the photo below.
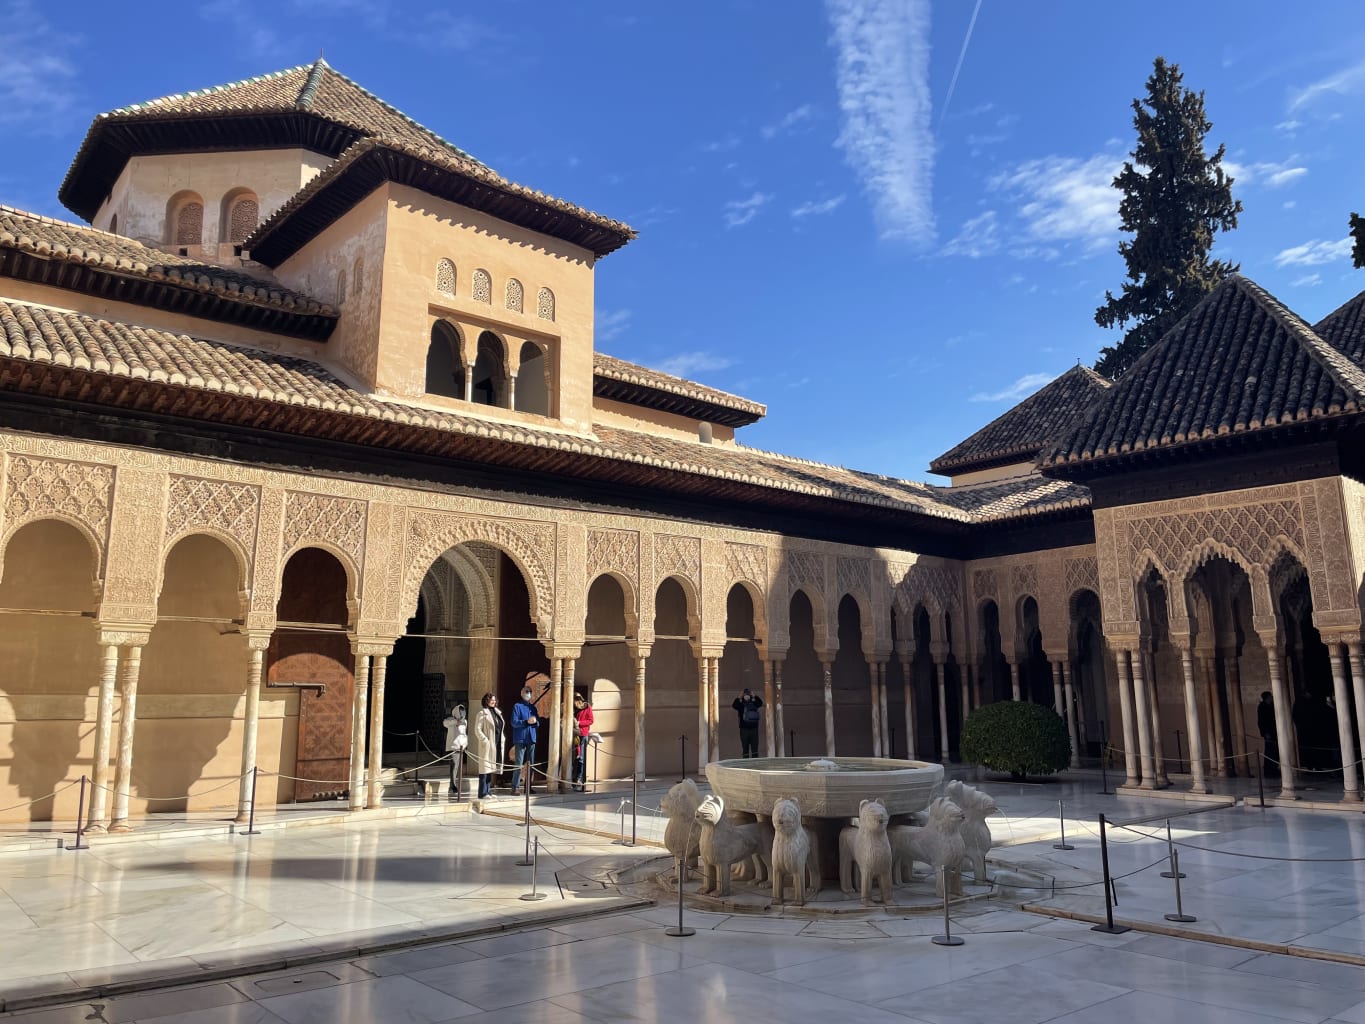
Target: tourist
[747,705]
[457,739]
[582,714]
[524,721]
[1270,747]
[485,749]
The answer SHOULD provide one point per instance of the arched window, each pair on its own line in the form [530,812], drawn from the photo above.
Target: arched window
[482,290]
[533,382]
[358,275]
[240,214]
[445,372]
[490,372]
[545,304]
[113,224]
[514,294]
[445,277]
[341,286]
[185,219]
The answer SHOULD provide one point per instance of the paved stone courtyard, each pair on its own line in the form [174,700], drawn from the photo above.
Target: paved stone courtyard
[418,919]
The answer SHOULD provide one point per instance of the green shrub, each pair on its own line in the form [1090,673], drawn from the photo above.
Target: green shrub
[1018,737]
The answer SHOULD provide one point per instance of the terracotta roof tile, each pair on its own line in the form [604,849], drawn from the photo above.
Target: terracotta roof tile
[1238,362]
[1344,329]
[1025,430]
[76,243]
[610,368]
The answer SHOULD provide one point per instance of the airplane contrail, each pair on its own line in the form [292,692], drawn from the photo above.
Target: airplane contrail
[960,58]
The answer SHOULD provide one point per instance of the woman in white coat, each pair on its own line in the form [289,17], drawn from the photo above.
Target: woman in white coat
[487,743]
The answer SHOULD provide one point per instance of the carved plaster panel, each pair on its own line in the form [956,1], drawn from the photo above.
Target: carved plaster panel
[854,576]
[318,518]
[615,551]
[747,562]
[1024,582]
[806,568]
[1081,574]
[226,508]
[677,556]
[985,585]
[52,488]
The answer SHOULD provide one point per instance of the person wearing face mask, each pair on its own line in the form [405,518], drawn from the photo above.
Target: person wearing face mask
[486,745]
[525,719]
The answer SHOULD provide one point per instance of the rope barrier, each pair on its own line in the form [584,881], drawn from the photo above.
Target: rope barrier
[49,796]
[1259,856]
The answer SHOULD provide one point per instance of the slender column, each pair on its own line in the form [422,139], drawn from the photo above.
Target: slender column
[511,391]
[966,673]
[469,388]
[549,732]
[1154,700]
[132,667]
[1144,722]
[907,667]
[770,703]
[1198,783]
[714,718]
[1350,778]
[358,713]
[564,726]
[974,674]
[1219,737]
[703,714]
[876,711]
[778,724]
[640,715]
[1284,723]
[1237,713]
[941,675]
[1057,700]
[1014,680]
[1069,696]
[1130,751]
[250,722]
[379,668]
[886,721]
[1353,648]
[828,669]
[104,731]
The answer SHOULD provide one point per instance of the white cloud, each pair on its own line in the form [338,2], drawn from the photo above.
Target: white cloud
[1272,175]
[38,73]
[1066,199]
[1021,388]
[814,208]
[882,74]
[787,121]
[1290,204]
[684,364]
[611,324]
[1289,126]
[1345,82]
[724,145]
[739,212]
[1314,253]
[1307,281]
[979,237]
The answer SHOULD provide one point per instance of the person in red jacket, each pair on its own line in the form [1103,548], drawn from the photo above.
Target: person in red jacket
[582,713]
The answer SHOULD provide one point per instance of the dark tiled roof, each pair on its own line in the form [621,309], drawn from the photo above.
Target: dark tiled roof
[86,259]
[1344,329]
[627,382]
[1021,433]
[370,162]
[1019,496]
[1238,362]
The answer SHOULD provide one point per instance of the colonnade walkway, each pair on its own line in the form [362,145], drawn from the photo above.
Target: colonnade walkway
[419,918]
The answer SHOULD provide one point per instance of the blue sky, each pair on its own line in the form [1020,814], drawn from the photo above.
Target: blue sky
[843,213]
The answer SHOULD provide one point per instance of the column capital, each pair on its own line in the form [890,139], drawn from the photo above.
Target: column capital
[563,652]
[124,635]
[776,655]
[374,646]
[1341,636]
[642,654]
[877,659]
[258,640]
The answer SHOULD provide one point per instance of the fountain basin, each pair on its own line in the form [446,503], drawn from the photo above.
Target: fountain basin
[754,784]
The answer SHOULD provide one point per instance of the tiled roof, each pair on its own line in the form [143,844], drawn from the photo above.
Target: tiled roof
[1344,329]
[1019,496]
[1025,430]
[628,382]
[37,335]
[369,162]
[1238,362]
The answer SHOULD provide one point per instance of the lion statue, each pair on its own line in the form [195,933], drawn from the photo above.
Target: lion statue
[976,834]
[681,833]
[938,844]
[795,857]
[867,848]
[723,845]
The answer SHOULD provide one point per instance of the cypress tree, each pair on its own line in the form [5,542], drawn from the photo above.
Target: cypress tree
[1174,198]
[1357,240]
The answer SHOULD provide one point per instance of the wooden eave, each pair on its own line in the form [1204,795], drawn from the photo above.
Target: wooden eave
[666,401]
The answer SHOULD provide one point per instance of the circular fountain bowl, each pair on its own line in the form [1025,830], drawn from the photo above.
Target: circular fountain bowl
[824,787]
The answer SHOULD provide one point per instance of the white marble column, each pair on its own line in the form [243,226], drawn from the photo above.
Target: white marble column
[828,674]
[1357,655]
[1198,782]
[511,391]
[1163,778]
[1284,723]
[1057,699]
[907,669]
[876,711]
[886,720]
[770,709]
[1350,777]
[123,779]
[640,661]
[703,713]
[379,668]
[1217,736]
[1069,696]
[941,677]
[779,725]
[359,704]
[1130,747]
[1232,673]
[713,718]
[246,791]
[1014,680]
[564,726]
[104,735]
[1144,722]
[550,732]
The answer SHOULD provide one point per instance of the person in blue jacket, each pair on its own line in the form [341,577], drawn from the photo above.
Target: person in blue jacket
[524,722]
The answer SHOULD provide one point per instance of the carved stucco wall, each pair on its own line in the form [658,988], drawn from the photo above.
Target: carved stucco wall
[1051,578]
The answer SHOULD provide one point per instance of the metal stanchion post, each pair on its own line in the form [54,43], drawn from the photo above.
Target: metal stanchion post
[596,753]
[526,823]
[459,773]
[1061,820]
[416,760]
[1109,926]
[1179,914]
[80,821]
[622,840]
[251,808]
[1104,756]
[791,743]
[1260,776]
[634,803]
[680,932]
[1173,871]
[947,938]
[1179,753]
[534,894]
[892,751]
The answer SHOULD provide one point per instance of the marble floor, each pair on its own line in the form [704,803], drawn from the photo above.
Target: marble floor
[171,908]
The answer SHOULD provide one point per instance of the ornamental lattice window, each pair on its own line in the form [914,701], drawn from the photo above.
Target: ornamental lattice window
[514,294]
[242,219]
[445,277]
[358,275]
[482,290]
[545,304]
[189,223]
